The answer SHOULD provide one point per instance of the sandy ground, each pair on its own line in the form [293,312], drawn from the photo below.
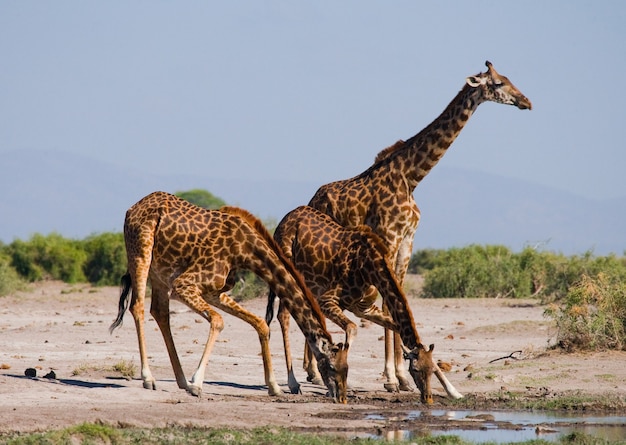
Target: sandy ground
[64,328]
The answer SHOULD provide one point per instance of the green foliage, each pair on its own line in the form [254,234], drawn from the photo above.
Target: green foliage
[249,286]
[495,271]
[425,259]
[593,314]
[88,433]
[106,258]
[50,256]
[475,271]
[202,198]
[10,281]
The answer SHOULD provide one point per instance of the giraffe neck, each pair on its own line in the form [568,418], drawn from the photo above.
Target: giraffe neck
[290,287]
[399,308]
[419,154]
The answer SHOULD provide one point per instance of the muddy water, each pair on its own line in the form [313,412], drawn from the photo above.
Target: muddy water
[501,426]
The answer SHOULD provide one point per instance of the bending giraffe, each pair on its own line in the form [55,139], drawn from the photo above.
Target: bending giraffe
[339,265]
[382,196]
[191,254]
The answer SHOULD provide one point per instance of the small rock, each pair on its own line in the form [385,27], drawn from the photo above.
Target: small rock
[444,366]
[51,375]
[30,372]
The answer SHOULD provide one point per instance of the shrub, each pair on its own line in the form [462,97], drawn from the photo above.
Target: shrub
[50,256]
[201,198]
[106,258]
[495,271]
[249,286]
[476,271]
[593,315]
[10,281]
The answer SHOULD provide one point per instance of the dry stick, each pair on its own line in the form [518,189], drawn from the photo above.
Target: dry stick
[507,356]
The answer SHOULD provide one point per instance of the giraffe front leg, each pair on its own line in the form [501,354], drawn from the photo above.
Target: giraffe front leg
[450,389]
[217,325]
[403,380]
[229,306]
[160,310]
[392,384]
[310,365]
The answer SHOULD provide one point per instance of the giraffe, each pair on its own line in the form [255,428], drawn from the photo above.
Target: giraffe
[339,265]
[382,196]
[191,254]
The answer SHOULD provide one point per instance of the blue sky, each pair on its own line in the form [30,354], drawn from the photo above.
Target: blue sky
[313,90]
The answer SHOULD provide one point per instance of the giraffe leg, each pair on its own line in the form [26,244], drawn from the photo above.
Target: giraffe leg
[229,306]
[450,389]
[401,374]
[139,279]
[310,365]
[403,257]
[189,294]
[283,318]
[329,303]
[392,384]
[217,325]
[160,310]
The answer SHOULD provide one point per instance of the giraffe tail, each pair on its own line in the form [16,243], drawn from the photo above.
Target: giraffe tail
[124,301]
[269,311]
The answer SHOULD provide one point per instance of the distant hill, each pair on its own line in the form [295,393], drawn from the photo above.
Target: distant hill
[77,196]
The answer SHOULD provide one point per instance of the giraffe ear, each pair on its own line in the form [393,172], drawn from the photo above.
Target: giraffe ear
[475,81]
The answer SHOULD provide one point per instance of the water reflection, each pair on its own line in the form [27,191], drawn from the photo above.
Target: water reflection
[525,425]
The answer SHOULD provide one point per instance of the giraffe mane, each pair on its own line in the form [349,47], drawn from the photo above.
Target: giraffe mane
[386,152]
[286,262]
[373,238]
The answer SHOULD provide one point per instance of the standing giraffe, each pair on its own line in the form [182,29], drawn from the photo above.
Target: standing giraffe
[382,196]
[339,265]
[191,254]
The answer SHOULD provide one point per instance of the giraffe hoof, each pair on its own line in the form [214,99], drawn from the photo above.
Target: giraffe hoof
[195,391]
[407,388]
[150,385]
[392,387]
[405,385]
[316,381]
[274,391]
[295,390]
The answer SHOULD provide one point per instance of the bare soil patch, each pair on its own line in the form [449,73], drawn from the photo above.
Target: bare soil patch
[64,328]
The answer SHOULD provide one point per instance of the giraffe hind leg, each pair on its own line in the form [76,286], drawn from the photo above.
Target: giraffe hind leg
[283,320]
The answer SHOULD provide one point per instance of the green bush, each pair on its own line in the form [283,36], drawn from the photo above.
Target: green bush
[202,198]
[249,286]
[106,258]
[476,271]
[593,314]
[10,281]
[495,271]
[48,257]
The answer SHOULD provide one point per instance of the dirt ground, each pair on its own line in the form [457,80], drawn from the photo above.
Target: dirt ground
[64,328]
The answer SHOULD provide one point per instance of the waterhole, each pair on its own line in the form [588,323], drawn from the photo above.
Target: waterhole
[499,426]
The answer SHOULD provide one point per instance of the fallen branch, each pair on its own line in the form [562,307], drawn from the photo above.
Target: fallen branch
[507,356]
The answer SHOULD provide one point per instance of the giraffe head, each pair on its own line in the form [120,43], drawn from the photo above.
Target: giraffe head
[421,368]
[498,88]
[334,370]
